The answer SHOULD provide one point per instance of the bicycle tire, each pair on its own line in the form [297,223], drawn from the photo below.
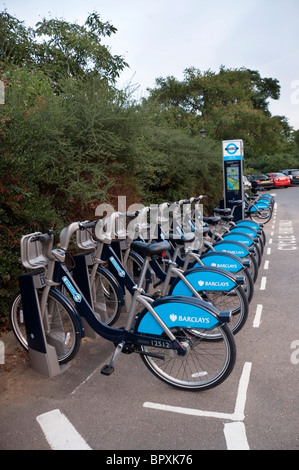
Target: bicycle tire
[261,216]
[248,285]
[134,266]
[64,332]
[236,301]
[254,269]
[206,365]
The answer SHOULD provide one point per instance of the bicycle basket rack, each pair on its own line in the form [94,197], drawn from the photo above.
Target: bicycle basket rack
[33,252]
[85,240]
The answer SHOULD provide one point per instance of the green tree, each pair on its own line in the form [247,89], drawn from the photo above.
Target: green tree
[16,41]
[72,50]
[60,49]
[228,104]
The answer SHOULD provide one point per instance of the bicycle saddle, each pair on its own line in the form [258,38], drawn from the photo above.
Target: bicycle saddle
[181,240]
[236,202]
[150,250]
[212,220]
[217,210]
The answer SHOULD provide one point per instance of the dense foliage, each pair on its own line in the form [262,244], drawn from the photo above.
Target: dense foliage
[71,140]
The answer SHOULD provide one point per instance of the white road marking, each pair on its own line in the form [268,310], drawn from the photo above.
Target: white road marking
[238,415]
[266,264]
[235,436]
[263,283]
[258,314]
[268,251]
[60,433]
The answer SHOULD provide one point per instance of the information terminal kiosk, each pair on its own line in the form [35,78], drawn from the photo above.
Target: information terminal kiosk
[233,156]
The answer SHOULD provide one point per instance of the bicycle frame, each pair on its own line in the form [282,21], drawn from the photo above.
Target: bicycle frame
[145,334]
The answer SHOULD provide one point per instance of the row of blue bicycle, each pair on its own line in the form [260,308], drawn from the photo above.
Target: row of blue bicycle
[179,283]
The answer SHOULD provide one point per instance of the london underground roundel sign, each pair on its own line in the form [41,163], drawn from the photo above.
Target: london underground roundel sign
[232,149]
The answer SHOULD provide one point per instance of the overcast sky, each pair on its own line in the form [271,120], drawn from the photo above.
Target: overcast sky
[159,38]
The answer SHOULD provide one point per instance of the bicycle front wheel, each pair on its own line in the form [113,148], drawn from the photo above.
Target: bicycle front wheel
[206,364]
[62,332]
[107,300]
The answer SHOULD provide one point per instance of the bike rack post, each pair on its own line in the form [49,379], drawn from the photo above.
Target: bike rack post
[80,276]
[42,356]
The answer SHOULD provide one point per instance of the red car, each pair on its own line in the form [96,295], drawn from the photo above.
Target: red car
[279,179]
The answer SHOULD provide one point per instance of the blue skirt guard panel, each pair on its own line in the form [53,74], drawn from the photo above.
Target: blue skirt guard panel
[259,205]
[235,248]
[248,223]
[202,279]
[222,260]
[239,237]
[247,230]
[178,312]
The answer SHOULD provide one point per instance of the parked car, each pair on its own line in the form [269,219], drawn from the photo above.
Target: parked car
[260,181]
[292,174]
[279,180]
[246,183]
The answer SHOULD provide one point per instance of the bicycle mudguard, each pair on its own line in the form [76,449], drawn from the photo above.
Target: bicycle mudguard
[179,312]
[235,248]
[102,269]
[205,278]
[222,260]
[64,299]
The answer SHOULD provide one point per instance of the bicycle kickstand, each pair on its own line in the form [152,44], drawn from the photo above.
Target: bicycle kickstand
[108,369]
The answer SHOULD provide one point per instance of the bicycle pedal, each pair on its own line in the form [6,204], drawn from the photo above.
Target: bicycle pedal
[107,370]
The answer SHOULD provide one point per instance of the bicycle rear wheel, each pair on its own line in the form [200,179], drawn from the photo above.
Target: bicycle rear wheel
[261,215]
[235,301]
[206,365]
[63,332]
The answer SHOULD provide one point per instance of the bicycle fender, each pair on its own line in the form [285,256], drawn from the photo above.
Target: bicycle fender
[204,278]
[222,260]
[72,308]
[113,280]
[178,312]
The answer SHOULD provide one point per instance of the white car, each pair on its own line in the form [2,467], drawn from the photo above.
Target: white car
[246,183]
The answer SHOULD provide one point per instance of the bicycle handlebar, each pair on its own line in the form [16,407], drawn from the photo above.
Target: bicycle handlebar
[86,225]
[43,238]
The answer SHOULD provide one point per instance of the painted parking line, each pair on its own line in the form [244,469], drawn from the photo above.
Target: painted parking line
[60,433]
[235,436]
[238,415]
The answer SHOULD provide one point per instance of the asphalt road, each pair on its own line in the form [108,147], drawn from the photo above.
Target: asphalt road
[256,408]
